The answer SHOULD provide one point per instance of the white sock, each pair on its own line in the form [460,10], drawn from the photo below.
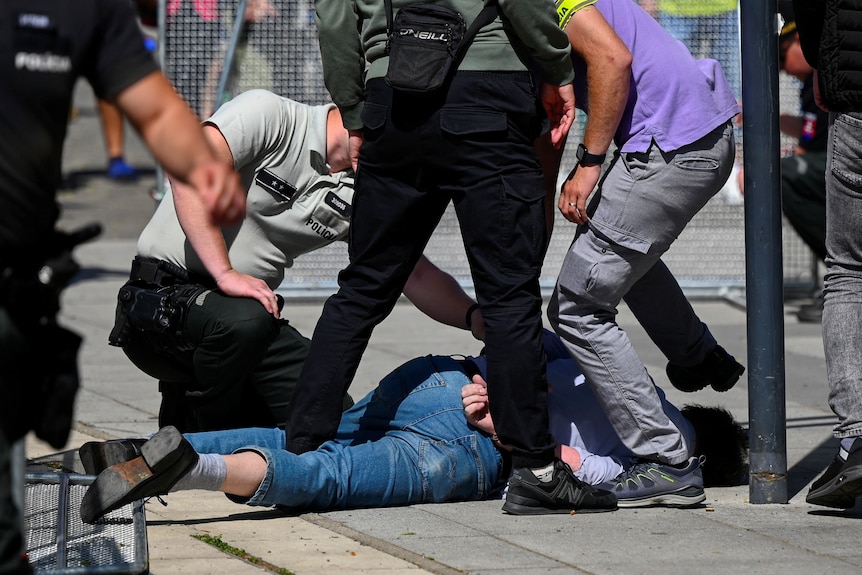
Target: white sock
[209,473]
[544,474]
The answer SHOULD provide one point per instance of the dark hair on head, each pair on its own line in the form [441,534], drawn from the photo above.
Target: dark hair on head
[723,443]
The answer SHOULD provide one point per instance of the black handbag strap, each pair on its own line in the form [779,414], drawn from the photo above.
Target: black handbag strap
[485,17]
[388,5]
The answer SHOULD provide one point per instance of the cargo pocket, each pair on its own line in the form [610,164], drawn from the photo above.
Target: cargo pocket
[602,265]
[373,118]
[472,122]
[522,223]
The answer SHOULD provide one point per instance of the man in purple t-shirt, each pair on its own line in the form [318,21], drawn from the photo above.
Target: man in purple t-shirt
[670,117]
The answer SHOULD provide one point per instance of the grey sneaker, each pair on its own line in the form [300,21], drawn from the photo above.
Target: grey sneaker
[565,493]
[841,483]
[649,483]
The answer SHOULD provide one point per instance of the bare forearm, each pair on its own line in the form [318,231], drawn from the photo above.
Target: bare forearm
[439,296]
[175,138]
[608,77]
[204,236]
[170,130]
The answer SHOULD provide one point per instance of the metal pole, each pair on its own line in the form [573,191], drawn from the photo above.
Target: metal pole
[162,53]
[763,253]
[239,22]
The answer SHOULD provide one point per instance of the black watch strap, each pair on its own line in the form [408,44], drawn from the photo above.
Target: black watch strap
[585,158]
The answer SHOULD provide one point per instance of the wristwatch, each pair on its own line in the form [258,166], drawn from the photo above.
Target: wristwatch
[585,158]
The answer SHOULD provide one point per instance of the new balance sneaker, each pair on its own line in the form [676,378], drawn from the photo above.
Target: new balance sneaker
[650,483]
[164,460]
[719,370]
[565,493]
[841,483]
[96,456]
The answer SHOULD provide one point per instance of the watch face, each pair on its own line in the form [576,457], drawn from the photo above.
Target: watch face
[584,156]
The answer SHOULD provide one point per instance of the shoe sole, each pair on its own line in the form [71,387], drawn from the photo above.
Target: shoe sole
[135,479]
[516,509]
[96,456]
[688,497]
[840,493]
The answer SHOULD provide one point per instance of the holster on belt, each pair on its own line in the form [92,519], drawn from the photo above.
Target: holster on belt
[155,299]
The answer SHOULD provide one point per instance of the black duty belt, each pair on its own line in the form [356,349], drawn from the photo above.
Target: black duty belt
[157,272]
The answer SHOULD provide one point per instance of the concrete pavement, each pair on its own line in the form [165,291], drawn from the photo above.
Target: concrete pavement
[728,535]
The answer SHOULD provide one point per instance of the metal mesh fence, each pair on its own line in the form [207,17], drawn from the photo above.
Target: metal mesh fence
[276,49]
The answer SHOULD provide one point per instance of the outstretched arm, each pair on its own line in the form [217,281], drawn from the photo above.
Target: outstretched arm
[174,136]
[441,298]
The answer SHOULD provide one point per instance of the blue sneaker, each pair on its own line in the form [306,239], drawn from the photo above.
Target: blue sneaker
[118,169]
[649,483]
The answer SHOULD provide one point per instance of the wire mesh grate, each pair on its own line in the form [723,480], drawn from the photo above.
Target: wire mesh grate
[59,543]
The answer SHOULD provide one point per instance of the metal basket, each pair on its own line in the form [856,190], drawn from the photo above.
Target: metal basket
[58,542]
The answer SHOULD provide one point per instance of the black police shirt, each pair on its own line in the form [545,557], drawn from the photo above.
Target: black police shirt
[45,46]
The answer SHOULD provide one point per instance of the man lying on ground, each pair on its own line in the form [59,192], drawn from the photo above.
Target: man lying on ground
[414,439]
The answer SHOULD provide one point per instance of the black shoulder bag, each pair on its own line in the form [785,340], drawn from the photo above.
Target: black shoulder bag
[426,44]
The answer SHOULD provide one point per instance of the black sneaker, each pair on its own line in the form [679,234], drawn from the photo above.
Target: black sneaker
[841,483]
[565,493]
[96,456]
[164,460]
[719,369]
[649,483]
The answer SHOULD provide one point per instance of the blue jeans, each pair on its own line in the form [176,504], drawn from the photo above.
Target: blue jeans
[842,286]
[643,203]
[715,36]
[406,442]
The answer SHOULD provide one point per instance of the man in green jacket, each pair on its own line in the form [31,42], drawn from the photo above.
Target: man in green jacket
[470,142]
